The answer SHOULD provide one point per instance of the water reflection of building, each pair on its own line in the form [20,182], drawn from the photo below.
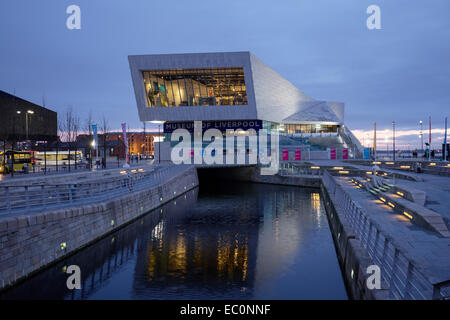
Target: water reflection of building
[200,251]
[98,263]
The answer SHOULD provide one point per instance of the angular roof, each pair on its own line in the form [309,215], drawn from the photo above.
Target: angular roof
[316,111]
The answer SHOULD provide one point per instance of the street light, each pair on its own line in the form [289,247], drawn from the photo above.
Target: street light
[393,141]
[26,122]
[421,134]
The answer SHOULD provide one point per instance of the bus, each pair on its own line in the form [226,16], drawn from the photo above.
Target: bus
[60,158]
[22,161]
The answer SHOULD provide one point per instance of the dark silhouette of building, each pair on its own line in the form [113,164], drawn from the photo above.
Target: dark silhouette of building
[21,119]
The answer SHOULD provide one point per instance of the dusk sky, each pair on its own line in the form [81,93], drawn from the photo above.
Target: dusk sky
[401,72]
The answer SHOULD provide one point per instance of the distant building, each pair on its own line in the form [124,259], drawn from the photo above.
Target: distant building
[21,119]
[139,144]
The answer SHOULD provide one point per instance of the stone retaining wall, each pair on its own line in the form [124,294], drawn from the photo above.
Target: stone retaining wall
[351,255]
[29,243]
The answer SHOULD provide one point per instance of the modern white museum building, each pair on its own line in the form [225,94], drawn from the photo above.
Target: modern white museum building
[231,90]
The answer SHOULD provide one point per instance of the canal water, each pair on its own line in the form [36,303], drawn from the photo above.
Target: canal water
[221,241]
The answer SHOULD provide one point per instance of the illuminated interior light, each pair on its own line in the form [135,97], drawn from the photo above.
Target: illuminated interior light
[432,164]
[405,167]
[63,246]
[368,172]
[407,215]
[343,172]
[390,162]
[382,199]
[160,199]
[338,168]
[123,172]
[352,273]
[315,167]
[376,162]
[400,193]
[134,171]
[112,222]
[391,204]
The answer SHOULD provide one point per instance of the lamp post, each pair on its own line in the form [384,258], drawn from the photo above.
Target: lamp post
[421,133]
[26,122]
[159,144]
[393,141]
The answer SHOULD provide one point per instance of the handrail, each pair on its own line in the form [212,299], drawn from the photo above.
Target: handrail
[16,199]
[404,276]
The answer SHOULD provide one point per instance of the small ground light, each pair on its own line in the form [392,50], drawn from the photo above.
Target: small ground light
[64,269]
[160,199]
[63,245]
[112,222]
[407,215]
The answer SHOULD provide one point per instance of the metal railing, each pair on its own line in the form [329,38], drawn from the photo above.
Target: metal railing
[289,169]
[404,278]
[18,198]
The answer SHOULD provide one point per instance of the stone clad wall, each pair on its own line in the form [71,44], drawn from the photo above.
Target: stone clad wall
[31,242]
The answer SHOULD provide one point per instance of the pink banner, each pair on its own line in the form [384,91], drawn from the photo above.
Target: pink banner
[344,153]
[285,154]
[333,154]
[298,154]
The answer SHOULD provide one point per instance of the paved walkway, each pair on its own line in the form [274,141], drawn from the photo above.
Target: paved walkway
[427,248]
[437,188]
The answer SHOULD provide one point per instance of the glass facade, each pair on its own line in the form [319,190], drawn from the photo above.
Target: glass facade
[195,87]
[309,128]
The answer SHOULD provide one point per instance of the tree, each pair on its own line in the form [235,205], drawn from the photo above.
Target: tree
[88,128]
[104,129]
[69,126]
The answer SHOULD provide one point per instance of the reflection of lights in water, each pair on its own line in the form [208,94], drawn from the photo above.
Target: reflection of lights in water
[232,257]
[277,229]
[315,201]
[177,258]
[158,231]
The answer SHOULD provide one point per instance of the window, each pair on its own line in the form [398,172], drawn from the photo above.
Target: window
[195,87]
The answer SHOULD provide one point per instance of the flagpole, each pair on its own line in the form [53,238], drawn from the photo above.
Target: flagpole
[375,140]
[445,140]
[429,141]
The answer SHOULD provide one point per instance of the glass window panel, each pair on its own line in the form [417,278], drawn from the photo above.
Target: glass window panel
[183,87]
